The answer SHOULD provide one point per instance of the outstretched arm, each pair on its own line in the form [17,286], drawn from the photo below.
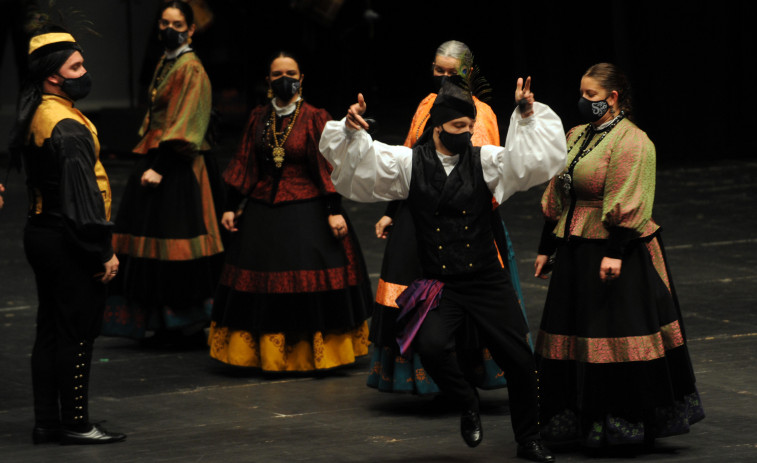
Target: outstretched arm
[534,151]
[364,170]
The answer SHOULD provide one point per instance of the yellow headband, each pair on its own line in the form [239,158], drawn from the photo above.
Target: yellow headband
[40,41]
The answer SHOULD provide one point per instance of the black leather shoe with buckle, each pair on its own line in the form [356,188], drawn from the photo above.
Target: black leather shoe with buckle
[535,451]
[470,428]
[96,435]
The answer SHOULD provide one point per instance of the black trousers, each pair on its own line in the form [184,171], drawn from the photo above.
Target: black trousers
[69,318]
[490,302]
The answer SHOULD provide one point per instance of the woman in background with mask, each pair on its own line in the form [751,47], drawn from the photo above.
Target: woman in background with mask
[294,293]
[611,350]
[167,233]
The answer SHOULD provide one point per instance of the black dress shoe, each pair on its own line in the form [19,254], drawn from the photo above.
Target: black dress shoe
[96,435]
[42,435]
[535,451]
[470,428]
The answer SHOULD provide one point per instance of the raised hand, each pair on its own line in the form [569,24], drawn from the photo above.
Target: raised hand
[524,98]
[355,114]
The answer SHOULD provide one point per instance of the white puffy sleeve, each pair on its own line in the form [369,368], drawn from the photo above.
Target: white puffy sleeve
[365,170]
[534,152]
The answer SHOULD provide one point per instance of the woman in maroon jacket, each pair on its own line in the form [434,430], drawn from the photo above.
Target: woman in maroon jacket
[294,293]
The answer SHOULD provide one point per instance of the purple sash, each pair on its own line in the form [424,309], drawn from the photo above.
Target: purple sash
[414,303]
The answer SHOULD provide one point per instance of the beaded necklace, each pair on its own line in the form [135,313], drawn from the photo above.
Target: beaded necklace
[566,178]
[277,147]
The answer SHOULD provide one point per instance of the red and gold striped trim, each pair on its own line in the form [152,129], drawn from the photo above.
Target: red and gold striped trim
[610,350]
[146,247]
[288,281]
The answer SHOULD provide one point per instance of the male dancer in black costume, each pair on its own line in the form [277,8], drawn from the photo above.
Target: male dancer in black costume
[67,236]
[449,186]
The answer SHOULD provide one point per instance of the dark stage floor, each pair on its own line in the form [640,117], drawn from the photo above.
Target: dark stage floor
[181,406]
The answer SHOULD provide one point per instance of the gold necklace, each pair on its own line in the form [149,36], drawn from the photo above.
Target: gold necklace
[278,145]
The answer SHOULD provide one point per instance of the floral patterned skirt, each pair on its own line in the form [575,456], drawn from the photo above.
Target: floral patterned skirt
[291,297]
[612,357]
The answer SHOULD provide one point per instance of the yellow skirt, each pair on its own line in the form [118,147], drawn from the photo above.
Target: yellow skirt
[270,352]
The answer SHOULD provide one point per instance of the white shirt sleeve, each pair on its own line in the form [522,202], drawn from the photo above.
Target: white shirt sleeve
[365,170]
[534,152]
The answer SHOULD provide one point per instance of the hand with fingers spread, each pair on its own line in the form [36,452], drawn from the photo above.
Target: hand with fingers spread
[524,98]
[355,119]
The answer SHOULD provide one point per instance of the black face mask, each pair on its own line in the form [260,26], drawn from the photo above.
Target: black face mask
[457,143]
[77,88]
[438,81]
[171,38]
[285,88]
[592,111]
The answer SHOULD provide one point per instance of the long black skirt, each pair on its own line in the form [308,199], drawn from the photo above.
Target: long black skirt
[292,297]
[169,245]
[612,357]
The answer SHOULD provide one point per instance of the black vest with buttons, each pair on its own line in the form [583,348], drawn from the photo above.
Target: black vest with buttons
[452,214]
